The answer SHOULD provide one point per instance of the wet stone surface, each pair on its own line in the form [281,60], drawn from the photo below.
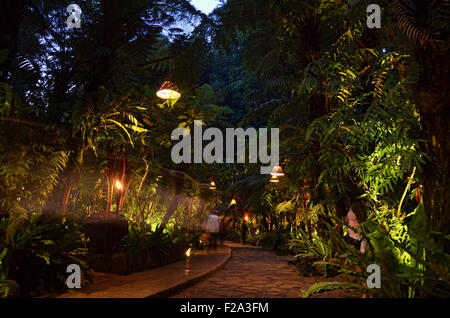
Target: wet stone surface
[253,272]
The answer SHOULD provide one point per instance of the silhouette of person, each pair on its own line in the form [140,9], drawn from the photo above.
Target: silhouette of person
[212,228]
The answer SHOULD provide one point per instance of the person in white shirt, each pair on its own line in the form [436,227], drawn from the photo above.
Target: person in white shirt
[212,228]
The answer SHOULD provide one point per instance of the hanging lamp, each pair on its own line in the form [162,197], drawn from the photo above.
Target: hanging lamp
[274,179]
[277,171]
[168,90]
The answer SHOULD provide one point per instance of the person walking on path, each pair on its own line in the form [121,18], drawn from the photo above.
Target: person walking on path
[212,228]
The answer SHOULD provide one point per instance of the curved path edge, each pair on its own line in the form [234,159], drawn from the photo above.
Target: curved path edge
[154,283]
[189,282]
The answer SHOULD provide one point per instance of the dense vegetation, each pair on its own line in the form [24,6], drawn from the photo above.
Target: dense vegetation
[362,113]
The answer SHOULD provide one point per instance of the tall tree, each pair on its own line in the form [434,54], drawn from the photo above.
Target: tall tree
[426,24]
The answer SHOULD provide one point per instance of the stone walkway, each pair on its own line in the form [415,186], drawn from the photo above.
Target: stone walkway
[253,272]
[157,282]
[233,271]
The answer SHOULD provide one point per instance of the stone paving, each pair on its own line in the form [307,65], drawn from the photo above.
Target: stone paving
[233,271]
[253,272]
[154,282]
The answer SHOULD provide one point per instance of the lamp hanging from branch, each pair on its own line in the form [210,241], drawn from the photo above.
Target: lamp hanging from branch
[274,179]
[169,91]
[277,171]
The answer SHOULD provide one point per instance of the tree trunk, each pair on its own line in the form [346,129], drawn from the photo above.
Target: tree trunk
[59,198]
[174,204]
[432,100]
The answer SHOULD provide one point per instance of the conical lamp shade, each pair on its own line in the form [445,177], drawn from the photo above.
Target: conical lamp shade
[168,90]
[277,171]
[274,179]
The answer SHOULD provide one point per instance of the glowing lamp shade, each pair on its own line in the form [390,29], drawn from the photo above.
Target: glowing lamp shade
[118,185]
[168,90]
[274,179]
[188,252]
[212,185]
[277,171]
[246,218]
[233,202]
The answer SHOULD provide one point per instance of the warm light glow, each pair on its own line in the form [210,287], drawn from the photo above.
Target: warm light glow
[246,218]
[277,171]
[168,94]
[274,179]
[212,185]
[168,90]
[233,202]
[188,252]
[118,184]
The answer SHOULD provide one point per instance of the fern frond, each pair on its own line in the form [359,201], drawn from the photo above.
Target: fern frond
[407,24]
[329,286]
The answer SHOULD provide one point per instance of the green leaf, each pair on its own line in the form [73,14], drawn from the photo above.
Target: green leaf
[45,256]
[123,128]
[329,286]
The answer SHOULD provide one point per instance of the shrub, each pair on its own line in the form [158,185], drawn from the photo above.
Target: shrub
[36,253]
[277,241]
[313,256]
[170,242]
[140,239]
[255,239]
[411,263]
[233,235]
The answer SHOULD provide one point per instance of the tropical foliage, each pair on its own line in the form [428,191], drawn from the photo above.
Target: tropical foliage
[37,252]
[352,134]
[362,113]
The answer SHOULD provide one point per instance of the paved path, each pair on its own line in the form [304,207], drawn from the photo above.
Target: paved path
[255,273]
[157,282]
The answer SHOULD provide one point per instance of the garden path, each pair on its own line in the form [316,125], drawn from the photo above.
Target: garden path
[253,272]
